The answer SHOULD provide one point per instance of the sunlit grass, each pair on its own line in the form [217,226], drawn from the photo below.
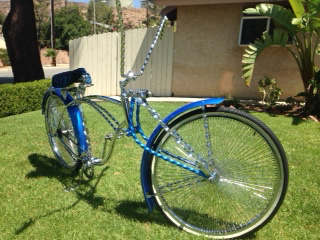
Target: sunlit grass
[34,203]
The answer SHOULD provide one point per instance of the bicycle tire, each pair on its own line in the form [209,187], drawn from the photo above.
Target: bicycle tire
[249,174]
[61,134]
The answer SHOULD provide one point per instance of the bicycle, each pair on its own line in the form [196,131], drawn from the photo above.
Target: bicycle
[212,171]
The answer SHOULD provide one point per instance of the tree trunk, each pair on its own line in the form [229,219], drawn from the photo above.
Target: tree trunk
[19,31]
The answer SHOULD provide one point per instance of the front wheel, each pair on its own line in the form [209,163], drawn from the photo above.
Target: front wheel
[247,180]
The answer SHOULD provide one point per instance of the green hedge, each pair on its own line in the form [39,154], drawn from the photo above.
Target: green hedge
[22,97]
[4,57]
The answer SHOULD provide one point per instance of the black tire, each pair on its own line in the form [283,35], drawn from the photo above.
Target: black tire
[61,132]
[248,174]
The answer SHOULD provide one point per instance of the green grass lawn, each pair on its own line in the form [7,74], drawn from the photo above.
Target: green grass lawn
[35,202]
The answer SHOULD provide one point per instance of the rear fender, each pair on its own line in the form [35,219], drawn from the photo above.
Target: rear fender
[74,114]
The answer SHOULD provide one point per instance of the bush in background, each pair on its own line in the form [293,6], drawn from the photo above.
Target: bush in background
[269,91]
[230,101]
[4,57]
[22,97]
[52,53]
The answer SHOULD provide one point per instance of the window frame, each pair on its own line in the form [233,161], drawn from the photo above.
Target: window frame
[245,17]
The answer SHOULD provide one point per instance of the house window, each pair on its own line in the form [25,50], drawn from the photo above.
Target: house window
[252,28]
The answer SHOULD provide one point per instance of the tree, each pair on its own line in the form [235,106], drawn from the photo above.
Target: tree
[2,17]
[103,16]
[69,24]
[41,9]
[303,27]
[153,13]
[19,30]
[52,53]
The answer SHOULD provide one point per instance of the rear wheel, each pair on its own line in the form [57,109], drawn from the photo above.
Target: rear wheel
[61,132]
[247,178]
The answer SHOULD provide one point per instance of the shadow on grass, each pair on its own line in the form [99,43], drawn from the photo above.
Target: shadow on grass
[49,167]
[295,120]
[137,211]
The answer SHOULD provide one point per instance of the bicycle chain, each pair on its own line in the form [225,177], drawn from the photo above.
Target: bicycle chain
[208,137]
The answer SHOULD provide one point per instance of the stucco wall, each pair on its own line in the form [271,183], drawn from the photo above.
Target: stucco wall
[207,58]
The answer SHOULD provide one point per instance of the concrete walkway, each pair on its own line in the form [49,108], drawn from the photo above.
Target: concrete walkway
[167,99]
[6,75]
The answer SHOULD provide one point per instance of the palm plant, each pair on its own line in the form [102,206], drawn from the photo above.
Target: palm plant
[53,54]
[302,26]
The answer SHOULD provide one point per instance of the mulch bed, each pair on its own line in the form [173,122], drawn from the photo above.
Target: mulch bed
[279,109]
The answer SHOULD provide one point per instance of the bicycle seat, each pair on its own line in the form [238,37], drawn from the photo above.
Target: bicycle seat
[65,79]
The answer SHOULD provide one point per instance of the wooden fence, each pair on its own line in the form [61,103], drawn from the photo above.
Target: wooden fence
[100,56]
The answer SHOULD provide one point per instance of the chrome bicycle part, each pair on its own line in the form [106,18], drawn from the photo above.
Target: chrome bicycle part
[130,75]
[61,132]
[88,164]
[246,184]
[195,158]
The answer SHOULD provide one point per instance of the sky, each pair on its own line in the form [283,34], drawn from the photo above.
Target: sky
[135,2]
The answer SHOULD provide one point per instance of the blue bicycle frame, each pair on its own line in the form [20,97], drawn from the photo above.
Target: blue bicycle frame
[75,115]
[127,102]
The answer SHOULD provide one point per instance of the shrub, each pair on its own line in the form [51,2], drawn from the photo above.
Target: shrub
[231,101]
[2,18]
[4,57]
[53,54]
[22,97]
[269,91]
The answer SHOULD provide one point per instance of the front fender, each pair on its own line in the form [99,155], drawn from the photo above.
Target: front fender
[146,156]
